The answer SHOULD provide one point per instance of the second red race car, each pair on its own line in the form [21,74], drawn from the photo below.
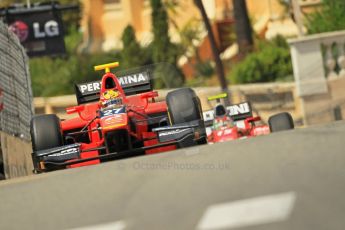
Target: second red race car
[237,122]
[118,117]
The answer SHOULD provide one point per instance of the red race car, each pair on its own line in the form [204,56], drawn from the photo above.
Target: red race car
[118,118]
[237,121]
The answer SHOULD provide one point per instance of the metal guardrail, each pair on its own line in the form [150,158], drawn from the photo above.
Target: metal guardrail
[15,83]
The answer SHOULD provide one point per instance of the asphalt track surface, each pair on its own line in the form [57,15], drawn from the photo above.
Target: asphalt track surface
[288,180]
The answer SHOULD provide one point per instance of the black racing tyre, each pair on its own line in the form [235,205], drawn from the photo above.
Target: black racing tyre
[45,132]
[183,106]
[281,122]
[203,140]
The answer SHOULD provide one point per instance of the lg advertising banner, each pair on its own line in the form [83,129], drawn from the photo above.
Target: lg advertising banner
[39,30]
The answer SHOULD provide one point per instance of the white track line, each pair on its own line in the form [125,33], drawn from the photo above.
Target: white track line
[254,211]
[118,225]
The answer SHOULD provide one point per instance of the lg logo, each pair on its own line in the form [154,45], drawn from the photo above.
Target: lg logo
[20,29]
[49,29]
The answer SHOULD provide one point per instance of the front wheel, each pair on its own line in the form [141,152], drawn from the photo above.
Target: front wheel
[45,133]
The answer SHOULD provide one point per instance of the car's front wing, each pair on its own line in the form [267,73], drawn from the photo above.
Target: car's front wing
[67,155]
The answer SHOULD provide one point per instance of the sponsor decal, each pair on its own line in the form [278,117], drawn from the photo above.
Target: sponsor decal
[39,30]
[261,130]
[234,110]
[208,115]
[21,29]
[227,131]
[49,29]
[173,132]
[109,112]
[113,126]
[219,133]
[65,152]
[90,87]
[125,81]
[238,109]
[135,79]
[110,120]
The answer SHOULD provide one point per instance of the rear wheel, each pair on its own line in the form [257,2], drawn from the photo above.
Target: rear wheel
[184,107]
[281,122]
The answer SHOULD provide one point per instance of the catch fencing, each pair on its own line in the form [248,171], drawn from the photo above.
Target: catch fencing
[15,84]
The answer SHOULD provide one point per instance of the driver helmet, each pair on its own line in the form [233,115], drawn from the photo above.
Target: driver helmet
[220,110]
[221,117]
[111,97]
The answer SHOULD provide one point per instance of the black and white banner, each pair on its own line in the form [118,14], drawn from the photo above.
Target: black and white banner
[39,30]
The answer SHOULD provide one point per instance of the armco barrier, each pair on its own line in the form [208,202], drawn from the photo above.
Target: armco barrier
[16,104]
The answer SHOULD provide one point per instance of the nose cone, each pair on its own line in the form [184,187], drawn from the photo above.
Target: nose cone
[115,121]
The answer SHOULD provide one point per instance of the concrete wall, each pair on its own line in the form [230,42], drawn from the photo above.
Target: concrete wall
[321,108]
[321,89]
[16,156]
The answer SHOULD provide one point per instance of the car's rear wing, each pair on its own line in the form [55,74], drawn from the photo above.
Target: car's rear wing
[236,112]
[132,83]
